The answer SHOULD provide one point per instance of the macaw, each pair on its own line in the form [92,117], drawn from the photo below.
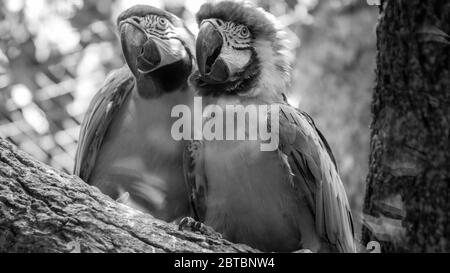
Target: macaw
[125,146]
[284,200]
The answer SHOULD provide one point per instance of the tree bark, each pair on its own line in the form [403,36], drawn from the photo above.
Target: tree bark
[407,202]
[44,210]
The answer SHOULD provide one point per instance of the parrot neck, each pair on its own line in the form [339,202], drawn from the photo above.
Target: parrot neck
[157,109]
[275,72]
[168,79]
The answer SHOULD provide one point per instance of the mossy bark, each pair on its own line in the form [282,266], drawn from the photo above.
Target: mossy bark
[407,204]
[44,210]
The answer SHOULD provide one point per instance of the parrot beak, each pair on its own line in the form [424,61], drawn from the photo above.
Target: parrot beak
[149,58]
[141,53]
[212,67]
[145,53]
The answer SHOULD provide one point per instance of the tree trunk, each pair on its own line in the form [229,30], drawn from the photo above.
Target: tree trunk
[407,202]
[44,210]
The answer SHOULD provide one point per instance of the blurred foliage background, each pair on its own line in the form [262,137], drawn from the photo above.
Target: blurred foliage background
[54,55]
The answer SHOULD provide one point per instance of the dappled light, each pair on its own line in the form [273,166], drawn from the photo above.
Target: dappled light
[55,55]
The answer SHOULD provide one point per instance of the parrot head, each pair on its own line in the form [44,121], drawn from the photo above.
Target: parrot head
[240,50]
[157,45]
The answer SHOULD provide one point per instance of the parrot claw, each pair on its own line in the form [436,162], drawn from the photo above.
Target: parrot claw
[190,224]
[303,251]
[124,198]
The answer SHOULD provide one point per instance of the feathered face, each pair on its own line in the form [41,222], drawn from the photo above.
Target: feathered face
[224,50]
[153,40]
[239,49]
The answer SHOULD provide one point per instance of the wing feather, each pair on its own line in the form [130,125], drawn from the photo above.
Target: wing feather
[316,177]
[102,110]
[195,178]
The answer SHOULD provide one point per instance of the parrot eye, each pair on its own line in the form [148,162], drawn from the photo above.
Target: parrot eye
[163,22]
[244,32]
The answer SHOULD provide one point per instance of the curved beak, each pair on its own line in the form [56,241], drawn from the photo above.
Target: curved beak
[149,58]
[141,53]
[144,52]
[131,39]
[208,48]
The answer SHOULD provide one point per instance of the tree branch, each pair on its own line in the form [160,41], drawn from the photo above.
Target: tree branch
[45,210]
